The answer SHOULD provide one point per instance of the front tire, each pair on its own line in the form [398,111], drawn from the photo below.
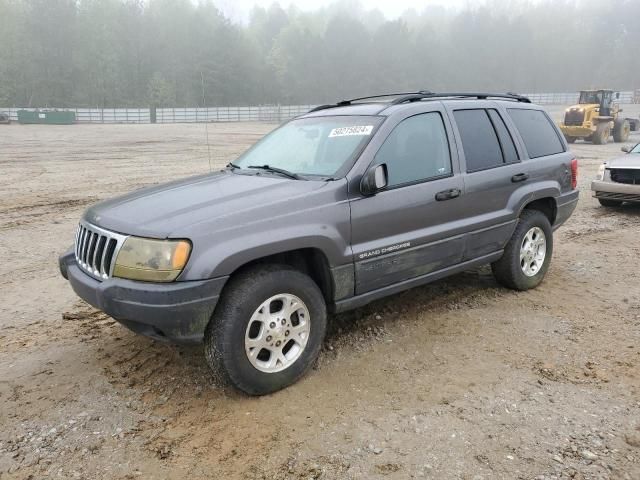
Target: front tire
[528,253]
[602,134]
[609,203]
[570,139]
[267,330]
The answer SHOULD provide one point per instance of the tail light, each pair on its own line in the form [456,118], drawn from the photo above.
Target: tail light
[574,173]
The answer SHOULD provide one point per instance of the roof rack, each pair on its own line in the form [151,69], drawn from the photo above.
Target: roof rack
[480,96]
[409,97]
[372,98]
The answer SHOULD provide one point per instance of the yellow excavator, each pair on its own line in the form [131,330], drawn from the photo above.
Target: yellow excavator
[596,117]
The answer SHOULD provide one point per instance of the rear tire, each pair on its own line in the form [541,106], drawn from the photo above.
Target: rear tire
[621,130]
[528,253]
[264,310]
[602,134]
[609,203]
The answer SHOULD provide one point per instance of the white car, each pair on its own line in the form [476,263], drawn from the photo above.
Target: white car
[618,179]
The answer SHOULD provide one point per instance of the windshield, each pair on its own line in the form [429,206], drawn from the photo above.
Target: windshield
[590,97]
[635,149]
[318,146]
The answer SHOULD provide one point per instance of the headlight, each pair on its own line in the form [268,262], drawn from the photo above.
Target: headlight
[601,172]
[151,260]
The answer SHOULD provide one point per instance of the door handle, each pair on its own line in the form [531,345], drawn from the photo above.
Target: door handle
[448,194]
[520,177]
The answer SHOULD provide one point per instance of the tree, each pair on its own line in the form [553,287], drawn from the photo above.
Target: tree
[348,67]
[160,91]
[114,53]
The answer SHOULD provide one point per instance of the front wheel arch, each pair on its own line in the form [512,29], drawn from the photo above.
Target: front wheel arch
[310,261]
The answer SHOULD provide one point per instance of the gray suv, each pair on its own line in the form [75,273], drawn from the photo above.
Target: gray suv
[339,207]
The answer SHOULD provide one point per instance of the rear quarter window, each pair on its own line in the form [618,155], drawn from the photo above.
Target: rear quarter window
[538,133]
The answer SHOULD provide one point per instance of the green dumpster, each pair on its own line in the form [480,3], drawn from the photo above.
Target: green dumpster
[48,117]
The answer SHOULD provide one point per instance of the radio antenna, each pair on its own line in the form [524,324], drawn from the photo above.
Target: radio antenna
[206,121]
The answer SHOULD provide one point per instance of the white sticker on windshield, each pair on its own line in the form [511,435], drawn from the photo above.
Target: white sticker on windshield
[355,130]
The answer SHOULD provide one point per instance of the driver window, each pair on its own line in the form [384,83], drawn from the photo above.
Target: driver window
[416,150]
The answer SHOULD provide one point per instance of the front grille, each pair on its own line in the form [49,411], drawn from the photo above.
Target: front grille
[574,117]
[625,175]
[96,250]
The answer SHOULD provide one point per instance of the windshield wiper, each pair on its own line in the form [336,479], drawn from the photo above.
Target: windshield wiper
[281,171]
[233,165]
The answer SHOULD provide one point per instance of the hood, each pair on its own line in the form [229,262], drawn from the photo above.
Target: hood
[169,210]
[630,160]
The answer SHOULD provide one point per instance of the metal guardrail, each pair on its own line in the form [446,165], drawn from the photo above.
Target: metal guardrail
[259,113]
[262,113]
[570,98]
[94,115]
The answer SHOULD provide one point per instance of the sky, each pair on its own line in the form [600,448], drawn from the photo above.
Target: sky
[238,10]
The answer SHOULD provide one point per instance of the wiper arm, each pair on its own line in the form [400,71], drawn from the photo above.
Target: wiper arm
[281,171]
[233,165]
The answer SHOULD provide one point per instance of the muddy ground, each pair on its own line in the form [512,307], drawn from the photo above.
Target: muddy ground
[459,379]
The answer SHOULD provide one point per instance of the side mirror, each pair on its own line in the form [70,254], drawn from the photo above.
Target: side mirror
[617,95]
[626,149]
[374,180]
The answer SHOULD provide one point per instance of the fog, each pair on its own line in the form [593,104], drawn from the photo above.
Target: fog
[240,10]
[117,53]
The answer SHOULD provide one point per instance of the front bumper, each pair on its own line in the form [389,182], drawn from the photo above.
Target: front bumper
[622,192]
[175,312]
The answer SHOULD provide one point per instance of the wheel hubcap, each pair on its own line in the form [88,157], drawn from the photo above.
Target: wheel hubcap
[533,251]
[277,333]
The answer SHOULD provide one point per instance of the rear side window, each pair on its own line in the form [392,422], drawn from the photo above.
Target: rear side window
[506,141]
[538,133]
[479,140]
[416,150]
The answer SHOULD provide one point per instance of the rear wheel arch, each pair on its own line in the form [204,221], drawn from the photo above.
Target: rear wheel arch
[546,205]
[523,249]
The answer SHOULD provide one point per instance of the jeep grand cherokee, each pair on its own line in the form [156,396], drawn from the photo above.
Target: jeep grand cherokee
[341,206]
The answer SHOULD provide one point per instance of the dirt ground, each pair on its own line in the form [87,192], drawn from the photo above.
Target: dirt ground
[459,379]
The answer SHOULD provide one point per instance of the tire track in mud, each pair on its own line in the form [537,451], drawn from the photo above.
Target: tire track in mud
[169,387]
[20,216]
